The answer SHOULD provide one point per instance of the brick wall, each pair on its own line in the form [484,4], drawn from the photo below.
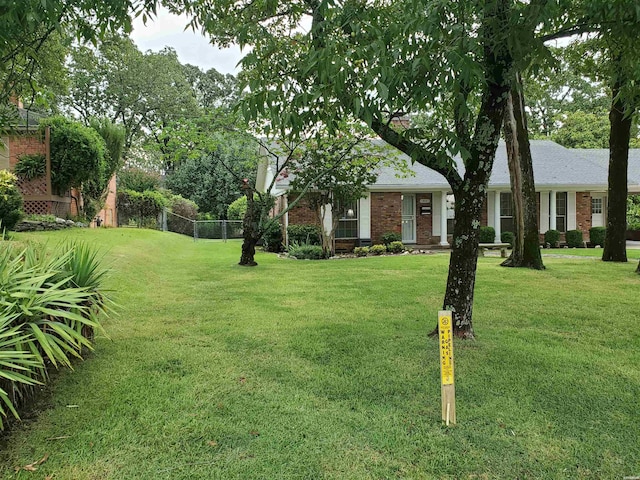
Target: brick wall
[583,212]
[108,212]
[386,214]
[26,144]
[424,223]
[301,214]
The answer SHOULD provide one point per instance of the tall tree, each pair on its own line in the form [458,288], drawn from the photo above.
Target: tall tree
[144,92]
[526,251]
[27,25]
[373,60]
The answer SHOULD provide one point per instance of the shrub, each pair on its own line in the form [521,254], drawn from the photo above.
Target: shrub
[395,247]
[377,249]
[389,237]
[183,207]
[507,237]
[361,251]
[77,153]
[306,252]
[10,201]
[30,167]
[237,209]
[552,237]
[596,235]
[143,208]
[574,239]
[138,180]
[304,234]
[272,237]
[56,300]
[487,235]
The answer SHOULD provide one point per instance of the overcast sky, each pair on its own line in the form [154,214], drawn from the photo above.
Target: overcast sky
[168,30]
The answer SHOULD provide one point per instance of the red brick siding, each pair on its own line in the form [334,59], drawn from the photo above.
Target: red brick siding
[386,214]
[301,214]
[26,144]
[424,223]
[583,212]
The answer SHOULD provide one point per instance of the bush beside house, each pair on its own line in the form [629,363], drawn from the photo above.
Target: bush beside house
[10,201]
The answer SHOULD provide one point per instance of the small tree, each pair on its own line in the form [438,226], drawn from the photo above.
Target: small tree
[338,171]
[77,153]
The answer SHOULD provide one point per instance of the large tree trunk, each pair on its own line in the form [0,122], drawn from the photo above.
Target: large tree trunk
[526,243]
[464,260]
[250,232]
[615,249]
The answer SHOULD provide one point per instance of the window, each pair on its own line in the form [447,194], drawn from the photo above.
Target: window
[561,211]
[506,212]
[596,206]
[348,221]
[451,213]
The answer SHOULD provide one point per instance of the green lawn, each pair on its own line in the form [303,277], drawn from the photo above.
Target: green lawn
[311,370]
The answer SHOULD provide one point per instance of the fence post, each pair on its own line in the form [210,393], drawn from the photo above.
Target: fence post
[224,231]
[165,228]
[195,230]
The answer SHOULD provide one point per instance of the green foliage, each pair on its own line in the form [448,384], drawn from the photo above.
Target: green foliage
[304,234]
[41,218]
[552,237]
[50,305]
[138,180]
[395,247]
[361,251]
[77,153]
[183,207]
[211,179]
[10,201]
[146,92]
[574,239]
[507,237]
[237,208]
[273,238]
[30,167]
[95,190]
[597,235]
[378,249]
[487,235]
[583,130]
[306,252]
[633,212]
[142,208]
[388,237]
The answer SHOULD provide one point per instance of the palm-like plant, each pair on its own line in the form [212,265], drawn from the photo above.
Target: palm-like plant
[49,309]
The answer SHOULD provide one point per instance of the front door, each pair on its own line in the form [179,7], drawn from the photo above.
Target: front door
[598,208]
[408,218]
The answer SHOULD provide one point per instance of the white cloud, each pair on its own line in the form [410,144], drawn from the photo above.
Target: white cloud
[168,30]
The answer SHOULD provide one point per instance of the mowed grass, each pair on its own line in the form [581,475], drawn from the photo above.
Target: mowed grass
[323,370]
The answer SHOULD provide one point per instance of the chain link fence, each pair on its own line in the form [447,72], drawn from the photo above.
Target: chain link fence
[201,229]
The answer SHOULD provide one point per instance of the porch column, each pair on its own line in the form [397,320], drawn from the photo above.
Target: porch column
[552,210]
[443,219]
[496,216]
[544,212]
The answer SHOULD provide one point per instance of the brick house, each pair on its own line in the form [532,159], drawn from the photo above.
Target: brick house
[571,190]
[26,138]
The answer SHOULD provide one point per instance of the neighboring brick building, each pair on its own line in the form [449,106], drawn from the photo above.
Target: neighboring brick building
[571,183]
[26,138]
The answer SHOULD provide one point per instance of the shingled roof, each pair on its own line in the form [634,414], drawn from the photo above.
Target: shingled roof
[554,167]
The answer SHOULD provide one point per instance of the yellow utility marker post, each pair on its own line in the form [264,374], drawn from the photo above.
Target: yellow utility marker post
[448,387]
